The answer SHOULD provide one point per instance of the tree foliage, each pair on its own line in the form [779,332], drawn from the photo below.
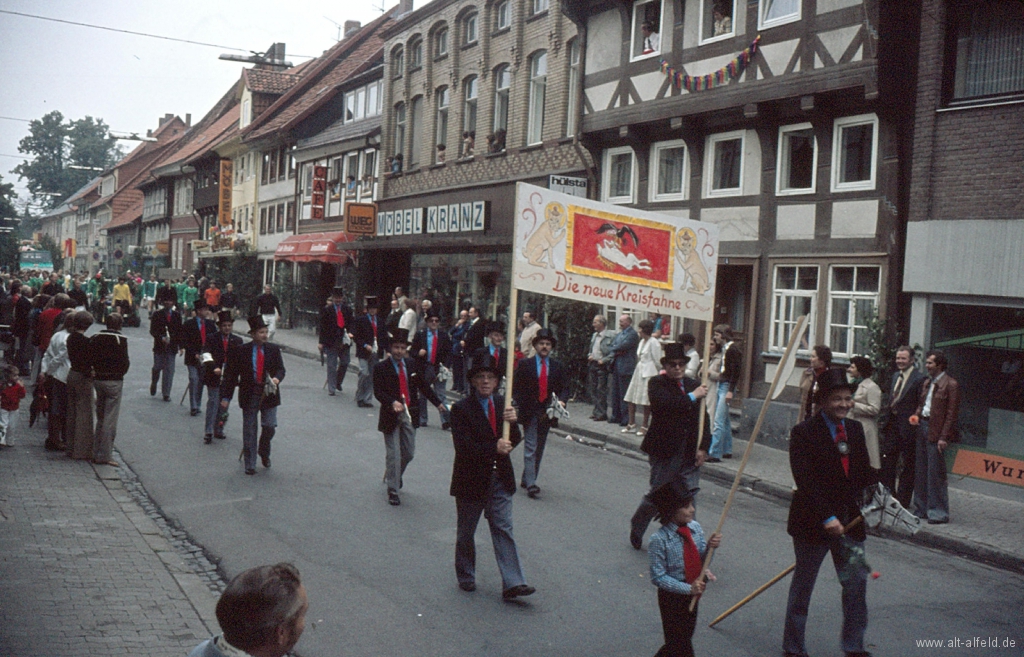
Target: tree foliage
[55,143]
[47,243]
[8,240]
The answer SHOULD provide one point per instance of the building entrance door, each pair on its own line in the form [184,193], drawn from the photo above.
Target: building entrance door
[734,306]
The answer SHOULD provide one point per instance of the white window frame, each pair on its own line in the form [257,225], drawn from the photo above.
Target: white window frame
[655,169]
[443,103]
[573,104]
[636,30]
[606,178]
[764,24]
[787,191]
[470,103]
[414,53]
[538,6]
[777,343]
[441,43]
[498,15]
[538,89]
[708,5]
[471,23]
[837,131]
[851,296]
[502,92]
[398,62]
[709,164]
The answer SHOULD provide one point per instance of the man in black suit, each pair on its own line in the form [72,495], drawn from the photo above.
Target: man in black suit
[397,383]
[473,338]
[218,345]
[371,345]
[250,367]
[830,464]
[336,338]
[537,381]
[899,442]
[194,332]
[165,327]
[483,480]
[672,444]
[432,347]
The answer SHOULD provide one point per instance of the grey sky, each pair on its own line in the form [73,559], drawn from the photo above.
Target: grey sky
[130,81]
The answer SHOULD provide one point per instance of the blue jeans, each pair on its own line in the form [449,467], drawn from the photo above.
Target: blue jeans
[663,471]
[163,361]
[931,493]
[721,439]
[855,608]
[535,437]
[195,387]
[212,408]
[338,358]
[250,428]
[498,510]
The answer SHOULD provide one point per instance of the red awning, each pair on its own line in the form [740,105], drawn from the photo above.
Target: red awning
[314,247]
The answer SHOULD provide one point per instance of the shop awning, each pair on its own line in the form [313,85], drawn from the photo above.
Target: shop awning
[314,247]
[1005,340]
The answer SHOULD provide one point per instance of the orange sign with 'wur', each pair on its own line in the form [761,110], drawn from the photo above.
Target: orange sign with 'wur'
[991,467]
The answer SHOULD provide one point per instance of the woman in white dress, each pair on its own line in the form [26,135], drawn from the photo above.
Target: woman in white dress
[867,402]
[648,359]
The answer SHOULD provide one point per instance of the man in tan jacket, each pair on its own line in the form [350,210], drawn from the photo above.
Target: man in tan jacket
[937,416]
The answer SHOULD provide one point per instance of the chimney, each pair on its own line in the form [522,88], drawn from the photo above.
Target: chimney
[404,7]
[188,120]
[351,27]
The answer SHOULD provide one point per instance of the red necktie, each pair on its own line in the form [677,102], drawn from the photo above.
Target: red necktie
[225,350]
[403,382]
[202,330]
[433,350]
[691,556]
[341,317]
[259,364]
[492,417]
[542,382]
[841,438]
[373,322]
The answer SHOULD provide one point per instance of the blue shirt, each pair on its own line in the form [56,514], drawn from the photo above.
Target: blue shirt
[431,336]
[832,430]
[484,404]
[539,361]
[668,570]
[255,350]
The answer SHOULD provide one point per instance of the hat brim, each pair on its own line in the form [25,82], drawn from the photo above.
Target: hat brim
[476,370]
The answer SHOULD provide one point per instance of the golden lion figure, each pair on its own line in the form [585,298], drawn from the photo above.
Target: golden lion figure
[543,241]
[690,262]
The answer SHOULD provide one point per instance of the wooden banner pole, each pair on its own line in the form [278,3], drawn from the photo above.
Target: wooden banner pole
[510,357]
[793,341]
[704,380]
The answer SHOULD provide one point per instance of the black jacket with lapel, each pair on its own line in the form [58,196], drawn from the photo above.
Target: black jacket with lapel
[387,391]
[215,347]
[330,334]
[161,326]
[476,450]
[192,339]
[674,420]
[240,374]
[525,387]
[363,332]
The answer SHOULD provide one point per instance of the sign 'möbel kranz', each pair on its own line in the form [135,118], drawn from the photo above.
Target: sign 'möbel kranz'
[571,247]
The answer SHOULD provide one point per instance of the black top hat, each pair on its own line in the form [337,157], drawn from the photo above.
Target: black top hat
[370,302]
[256,323]
[545,334]
[199,304]
[225,316]
[495,327]
[483,361]
[674,351]
[338,291]
[432,314]
[399,335]
[828,382]
[670,497]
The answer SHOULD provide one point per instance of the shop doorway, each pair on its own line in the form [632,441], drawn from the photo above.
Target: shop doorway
[735,291]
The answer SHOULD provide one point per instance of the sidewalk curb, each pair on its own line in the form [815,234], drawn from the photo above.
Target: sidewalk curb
[778,493]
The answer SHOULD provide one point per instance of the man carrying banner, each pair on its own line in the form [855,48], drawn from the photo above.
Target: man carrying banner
[672,443]
[538,380]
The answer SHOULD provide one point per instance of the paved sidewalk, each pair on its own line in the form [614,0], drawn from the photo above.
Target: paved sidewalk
[85,569]
[983,528]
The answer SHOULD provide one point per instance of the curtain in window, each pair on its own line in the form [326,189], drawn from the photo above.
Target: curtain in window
[990,50]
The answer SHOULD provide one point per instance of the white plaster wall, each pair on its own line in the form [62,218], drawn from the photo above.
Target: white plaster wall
[795,222]
[604,29]
[854,218]
[735,224]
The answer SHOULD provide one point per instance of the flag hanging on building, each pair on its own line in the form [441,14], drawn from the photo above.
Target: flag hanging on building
[595,252]
[69,248]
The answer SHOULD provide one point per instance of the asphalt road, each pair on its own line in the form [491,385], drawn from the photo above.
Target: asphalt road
[381,579]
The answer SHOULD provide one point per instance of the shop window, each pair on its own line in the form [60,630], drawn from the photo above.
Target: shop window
[502,84]
[989,40]
[854,152]
[668,171]
[725,164]
[415,54]
[853,302]
[469,29]
[415,132]
[502,15]
[441,136]
[573,108]
[397,62]
[777,12]
[441,43]
[716,20]
[619,176]
[795,293]
[797,161]
[538,6]
[646,40]
[538,91]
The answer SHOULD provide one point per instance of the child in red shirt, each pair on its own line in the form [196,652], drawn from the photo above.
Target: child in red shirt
[10,398]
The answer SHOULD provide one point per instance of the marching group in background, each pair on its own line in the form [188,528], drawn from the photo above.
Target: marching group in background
[846,439]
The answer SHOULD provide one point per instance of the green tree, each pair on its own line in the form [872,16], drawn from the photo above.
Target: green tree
[46,243]
[8,239]
[57,146]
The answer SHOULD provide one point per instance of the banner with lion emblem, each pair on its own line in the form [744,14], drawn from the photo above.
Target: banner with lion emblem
[608,254]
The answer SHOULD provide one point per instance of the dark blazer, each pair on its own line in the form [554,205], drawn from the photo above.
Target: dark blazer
[475,336]
[499,358]
[166,292]
[901,409]
[108,351]
[160,326]
[215,347]
[476,450]
[444,347]
[945,410]
[674,420]
[525,388]
[330,334]
[192,338]
[387,390]
[363,332]
[240,374]
[624,351]
[822,488]
[733,367]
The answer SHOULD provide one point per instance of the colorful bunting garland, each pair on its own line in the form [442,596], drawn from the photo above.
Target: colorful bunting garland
[729,72]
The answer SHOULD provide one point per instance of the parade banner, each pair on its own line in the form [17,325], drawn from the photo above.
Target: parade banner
[595,252]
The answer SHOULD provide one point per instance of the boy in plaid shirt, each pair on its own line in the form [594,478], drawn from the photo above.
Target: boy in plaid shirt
[676,552]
